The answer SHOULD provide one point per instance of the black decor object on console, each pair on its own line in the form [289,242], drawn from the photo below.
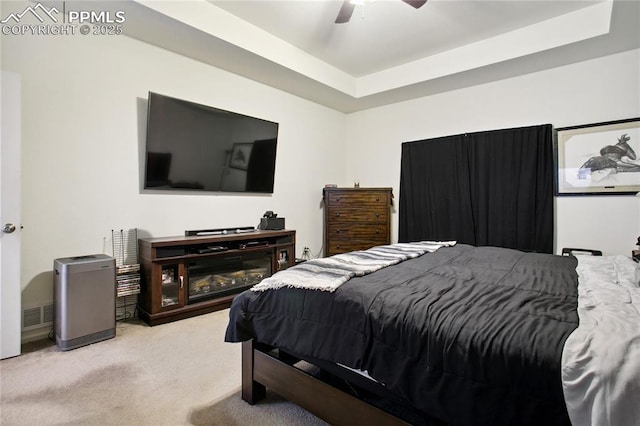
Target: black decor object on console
[196,147]
[270,220]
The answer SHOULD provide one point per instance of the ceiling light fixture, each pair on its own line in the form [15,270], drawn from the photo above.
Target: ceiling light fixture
[344,15]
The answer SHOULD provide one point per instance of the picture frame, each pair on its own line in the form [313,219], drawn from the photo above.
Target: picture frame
[240,154]
[598,159]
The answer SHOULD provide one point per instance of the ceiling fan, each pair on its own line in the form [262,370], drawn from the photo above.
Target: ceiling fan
[344,15]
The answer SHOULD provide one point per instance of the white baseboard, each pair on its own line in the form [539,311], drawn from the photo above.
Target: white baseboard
[36,334]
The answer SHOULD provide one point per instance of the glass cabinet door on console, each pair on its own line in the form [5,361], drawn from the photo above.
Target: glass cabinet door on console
[172,286]
[285,257]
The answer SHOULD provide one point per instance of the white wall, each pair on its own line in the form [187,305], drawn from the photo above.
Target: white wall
[83,135]
[589,92]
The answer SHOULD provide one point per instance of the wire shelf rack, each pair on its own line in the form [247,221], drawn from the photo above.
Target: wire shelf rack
[125,251]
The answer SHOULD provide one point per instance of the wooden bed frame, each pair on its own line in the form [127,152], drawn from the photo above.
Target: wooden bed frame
[263,369]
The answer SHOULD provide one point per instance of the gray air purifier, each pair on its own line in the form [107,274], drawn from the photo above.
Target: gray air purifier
[84,300]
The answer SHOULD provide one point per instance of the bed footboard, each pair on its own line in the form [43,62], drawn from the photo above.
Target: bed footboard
[261,370]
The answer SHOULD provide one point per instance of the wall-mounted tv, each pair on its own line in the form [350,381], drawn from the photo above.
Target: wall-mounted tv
[200,148]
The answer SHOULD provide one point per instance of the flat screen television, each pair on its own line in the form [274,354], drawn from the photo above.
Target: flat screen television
[200,148]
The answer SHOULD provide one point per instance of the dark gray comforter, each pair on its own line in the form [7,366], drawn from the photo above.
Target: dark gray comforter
[468,335]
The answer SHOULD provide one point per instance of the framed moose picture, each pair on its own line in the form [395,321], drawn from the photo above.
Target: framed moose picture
[598,159]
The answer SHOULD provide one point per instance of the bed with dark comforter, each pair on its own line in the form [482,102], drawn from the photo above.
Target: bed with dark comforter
[470,335]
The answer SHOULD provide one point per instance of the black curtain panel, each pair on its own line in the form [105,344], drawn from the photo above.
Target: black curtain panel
[490,188]
[435,171]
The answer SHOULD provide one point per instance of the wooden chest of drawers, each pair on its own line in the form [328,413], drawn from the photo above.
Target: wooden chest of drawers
[356,218]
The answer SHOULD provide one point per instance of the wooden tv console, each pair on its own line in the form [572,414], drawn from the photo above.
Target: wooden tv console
[187,276]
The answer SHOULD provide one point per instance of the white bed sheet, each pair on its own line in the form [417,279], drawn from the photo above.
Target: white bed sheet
[601,358]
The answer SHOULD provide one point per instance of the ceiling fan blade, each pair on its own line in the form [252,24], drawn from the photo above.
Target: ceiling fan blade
[415,3]
[345,12]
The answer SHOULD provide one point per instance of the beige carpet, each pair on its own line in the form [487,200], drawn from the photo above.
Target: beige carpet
[180,373]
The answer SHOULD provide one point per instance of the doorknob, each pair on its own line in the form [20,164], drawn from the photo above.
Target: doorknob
[8,228]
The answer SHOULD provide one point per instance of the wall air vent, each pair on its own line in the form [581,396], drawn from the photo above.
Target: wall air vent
[34,317]
[47,314]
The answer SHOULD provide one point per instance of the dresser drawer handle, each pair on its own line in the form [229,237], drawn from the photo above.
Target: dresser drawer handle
[377,198]
[338,200]
[337,214]
[377,231]
[338,231]
[377,214]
